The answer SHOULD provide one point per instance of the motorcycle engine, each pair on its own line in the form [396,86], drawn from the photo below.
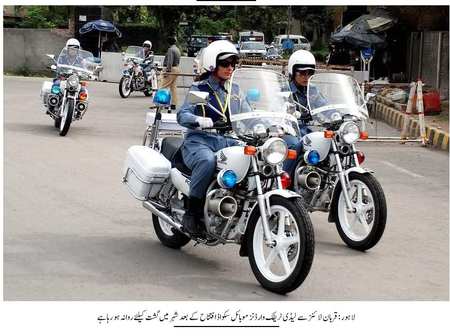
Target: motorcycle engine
[140,83]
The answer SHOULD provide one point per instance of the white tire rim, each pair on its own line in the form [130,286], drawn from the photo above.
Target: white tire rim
[357,225]
[165,227]
[277,263]
[124,87]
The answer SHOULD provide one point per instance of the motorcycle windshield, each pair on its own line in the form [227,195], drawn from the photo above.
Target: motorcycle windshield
[76,60]
[135,53]
[260,101]
[332,96]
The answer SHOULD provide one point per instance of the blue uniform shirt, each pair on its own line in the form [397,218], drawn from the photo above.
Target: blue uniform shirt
[188,112]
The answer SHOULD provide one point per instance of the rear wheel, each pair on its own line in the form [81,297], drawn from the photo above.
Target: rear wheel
[125,87]
[283,267]
[148,92]
[167,236]
[66,118]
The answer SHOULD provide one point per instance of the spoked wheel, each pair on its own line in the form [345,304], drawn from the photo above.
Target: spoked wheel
[66,118]
[169,238]
[284,265]
[363,228]
[125,87]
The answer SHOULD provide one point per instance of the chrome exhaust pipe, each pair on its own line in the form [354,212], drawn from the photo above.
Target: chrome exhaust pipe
[166,218]
[310,180]
[225,207]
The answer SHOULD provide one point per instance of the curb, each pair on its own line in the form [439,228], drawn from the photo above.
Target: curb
[436,138]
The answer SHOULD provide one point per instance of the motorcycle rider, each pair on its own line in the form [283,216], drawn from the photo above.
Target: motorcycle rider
[301,66]
[148,58]
[219,60]
[71,56]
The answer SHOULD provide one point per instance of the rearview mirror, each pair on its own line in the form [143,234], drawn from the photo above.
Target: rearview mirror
[198,97]
[53,67]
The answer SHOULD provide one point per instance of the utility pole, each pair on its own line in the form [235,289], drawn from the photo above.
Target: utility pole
[289,21]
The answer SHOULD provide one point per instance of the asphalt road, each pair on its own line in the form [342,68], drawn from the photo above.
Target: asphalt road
[72,231]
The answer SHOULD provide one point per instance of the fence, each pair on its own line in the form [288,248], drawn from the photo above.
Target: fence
[428,59]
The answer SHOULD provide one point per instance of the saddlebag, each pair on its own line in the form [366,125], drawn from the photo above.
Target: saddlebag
[45,90]
[145,171]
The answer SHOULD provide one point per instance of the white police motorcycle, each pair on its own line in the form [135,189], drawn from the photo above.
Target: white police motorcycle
[329,175]
[66,98]
[133,78]
[247,202]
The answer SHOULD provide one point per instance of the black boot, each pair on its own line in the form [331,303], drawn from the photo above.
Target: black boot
[192,217]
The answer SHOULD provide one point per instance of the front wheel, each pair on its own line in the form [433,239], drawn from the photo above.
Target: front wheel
[169,238]
[362,229]
[125,87]
[66,118]
[284,265]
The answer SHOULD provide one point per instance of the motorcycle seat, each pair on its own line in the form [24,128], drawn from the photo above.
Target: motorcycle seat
[171,149]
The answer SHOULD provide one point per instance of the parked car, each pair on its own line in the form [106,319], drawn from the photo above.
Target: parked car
[252,49]
[300,42]
[196,43]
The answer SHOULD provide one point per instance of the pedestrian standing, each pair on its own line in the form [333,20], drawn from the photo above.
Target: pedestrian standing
[171,64]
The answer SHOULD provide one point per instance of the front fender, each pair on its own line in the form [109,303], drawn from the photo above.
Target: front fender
[243,252]
[359,170]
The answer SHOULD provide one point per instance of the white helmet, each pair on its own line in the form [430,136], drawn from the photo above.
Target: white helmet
[73,42]
[147,44]
[301,59]
[220,48]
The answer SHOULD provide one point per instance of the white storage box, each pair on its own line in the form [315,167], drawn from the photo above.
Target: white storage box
[45,90]
[168,122]
[145,171]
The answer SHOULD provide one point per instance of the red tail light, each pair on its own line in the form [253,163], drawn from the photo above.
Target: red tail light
[285,180]
[361,157]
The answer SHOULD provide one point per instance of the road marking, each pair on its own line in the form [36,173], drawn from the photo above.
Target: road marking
[403,170]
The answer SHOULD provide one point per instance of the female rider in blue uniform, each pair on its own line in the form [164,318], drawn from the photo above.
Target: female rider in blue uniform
[219,60]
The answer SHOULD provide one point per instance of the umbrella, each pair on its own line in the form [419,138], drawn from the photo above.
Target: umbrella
[100,26]
[364,32]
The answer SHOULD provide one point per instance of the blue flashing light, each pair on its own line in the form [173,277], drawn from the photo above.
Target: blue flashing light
[229,179]
[162,97]
[56,89]
[253,95]
[313,157]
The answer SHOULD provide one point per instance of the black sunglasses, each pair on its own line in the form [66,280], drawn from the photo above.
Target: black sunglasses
[226,63]
[307,72]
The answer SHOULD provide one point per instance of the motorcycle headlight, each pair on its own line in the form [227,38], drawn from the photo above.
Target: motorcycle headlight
[349,132]
[73,81]
[274,151]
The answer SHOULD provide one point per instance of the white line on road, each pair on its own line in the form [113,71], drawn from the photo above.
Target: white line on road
[403,170]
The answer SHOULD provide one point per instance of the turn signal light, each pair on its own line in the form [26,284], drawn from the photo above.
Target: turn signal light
[291,154]
[285,180]
[249,150]
[361,157]
[83,95]
[328,134]
[363,135]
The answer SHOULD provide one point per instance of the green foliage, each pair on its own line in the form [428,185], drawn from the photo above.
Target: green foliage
[44,17]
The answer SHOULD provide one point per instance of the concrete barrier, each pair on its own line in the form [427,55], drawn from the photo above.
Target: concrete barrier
[26,48]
